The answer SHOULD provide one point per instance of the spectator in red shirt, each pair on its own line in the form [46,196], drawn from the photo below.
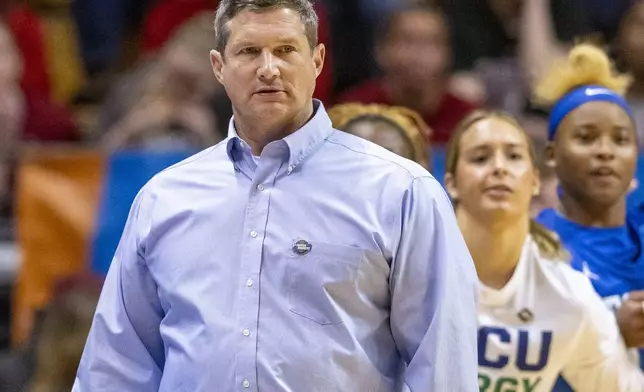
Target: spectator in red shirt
[414,54]
[27,113]
[27,32]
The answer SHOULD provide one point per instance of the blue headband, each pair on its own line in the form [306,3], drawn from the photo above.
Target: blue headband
[578,97]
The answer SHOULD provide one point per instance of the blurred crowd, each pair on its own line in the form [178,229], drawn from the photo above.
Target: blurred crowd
[135,75]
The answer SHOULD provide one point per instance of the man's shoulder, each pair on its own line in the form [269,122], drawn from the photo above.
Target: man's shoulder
[367,157]
[190,171]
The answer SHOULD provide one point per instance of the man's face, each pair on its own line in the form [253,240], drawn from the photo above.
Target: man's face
[416,50]
[267,67]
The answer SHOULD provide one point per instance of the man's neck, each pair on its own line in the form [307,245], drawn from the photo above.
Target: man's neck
[421,98]
[495,248]
[258,132]
[594,215]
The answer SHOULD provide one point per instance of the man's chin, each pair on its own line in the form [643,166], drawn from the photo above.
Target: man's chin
[269,110]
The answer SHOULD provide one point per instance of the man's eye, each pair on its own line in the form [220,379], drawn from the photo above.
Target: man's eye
[287,49]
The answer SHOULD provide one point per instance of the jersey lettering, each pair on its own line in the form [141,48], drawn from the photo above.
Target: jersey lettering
[504,337]
[521,360]
[507,384]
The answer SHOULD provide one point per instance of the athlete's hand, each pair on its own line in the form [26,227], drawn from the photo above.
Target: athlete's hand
[630,318]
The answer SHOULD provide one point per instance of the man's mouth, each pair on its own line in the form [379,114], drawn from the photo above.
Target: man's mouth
[268,91]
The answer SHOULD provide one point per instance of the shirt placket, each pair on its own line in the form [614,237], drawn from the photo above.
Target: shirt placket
[251,259]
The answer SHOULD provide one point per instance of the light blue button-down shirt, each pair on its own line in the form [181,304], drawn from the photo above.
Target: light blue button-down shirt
[327,264]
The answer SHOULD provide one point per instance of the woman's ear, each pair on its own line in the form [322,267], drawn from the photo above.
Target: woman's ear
[450,186]
[536,184]
[549,156]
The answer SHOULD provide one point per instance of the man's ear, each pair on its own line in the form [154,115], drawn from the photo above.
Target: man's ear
[319,53]
[217,63]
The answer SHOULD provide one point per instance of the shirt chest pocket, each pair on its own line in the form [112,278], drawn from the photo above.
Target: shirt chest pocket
[322,282]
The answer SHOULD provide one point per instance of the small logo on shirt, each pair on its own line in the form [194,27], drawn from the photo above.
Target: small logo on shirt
[525,315]
[302,247]
[585,269]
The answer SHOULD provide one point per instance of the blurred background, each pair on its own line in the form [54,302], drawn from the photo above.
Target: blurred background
[97,96]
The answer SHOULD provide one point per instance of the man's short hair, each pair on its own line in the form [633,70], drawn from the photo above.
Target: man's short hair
[228,9]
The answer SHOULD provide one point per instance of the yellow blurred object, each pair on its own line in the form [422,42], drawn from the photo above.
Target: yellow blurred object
[62,54]
[57,197]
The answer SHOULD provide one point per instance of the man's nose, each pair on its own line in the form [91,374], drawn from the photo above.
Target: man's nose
[268,69]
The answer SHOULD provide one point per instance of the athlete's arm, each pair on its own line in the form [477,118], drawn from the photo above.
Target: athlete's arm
[600,361]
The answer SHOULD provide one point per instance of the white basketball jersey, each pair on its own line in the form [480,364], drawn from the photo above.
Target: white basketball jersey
[547,321]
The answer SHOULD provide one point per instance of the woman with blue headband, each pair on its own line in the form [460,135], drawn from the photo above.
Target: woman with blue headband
[593,150]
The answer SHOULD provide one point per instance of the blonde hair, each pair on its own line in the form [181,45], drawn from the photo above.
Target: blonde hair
[407,120]
[548,242]
[585,65]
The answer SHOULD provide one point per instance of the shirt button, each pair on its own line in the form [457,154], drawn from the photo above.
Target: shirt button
[289,169]
[246,332]
[253,234]
[249,282]
[246,383]
[260,187]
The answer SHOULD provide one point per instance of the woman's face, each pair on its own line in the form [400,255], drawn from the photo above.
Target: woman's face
[383,134]
[495,176]
[595,153]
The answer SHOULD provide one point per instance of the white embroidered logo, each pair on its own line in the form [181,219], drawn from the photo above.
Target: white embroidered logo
[596,91]
[586,271]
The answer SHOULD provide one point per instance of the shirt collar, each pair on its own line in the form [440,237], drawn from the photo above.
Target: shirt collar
[301,143]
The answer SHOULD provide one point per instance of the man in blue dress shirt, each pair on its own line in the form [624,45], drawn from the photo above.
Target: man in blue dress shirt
[290,256]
